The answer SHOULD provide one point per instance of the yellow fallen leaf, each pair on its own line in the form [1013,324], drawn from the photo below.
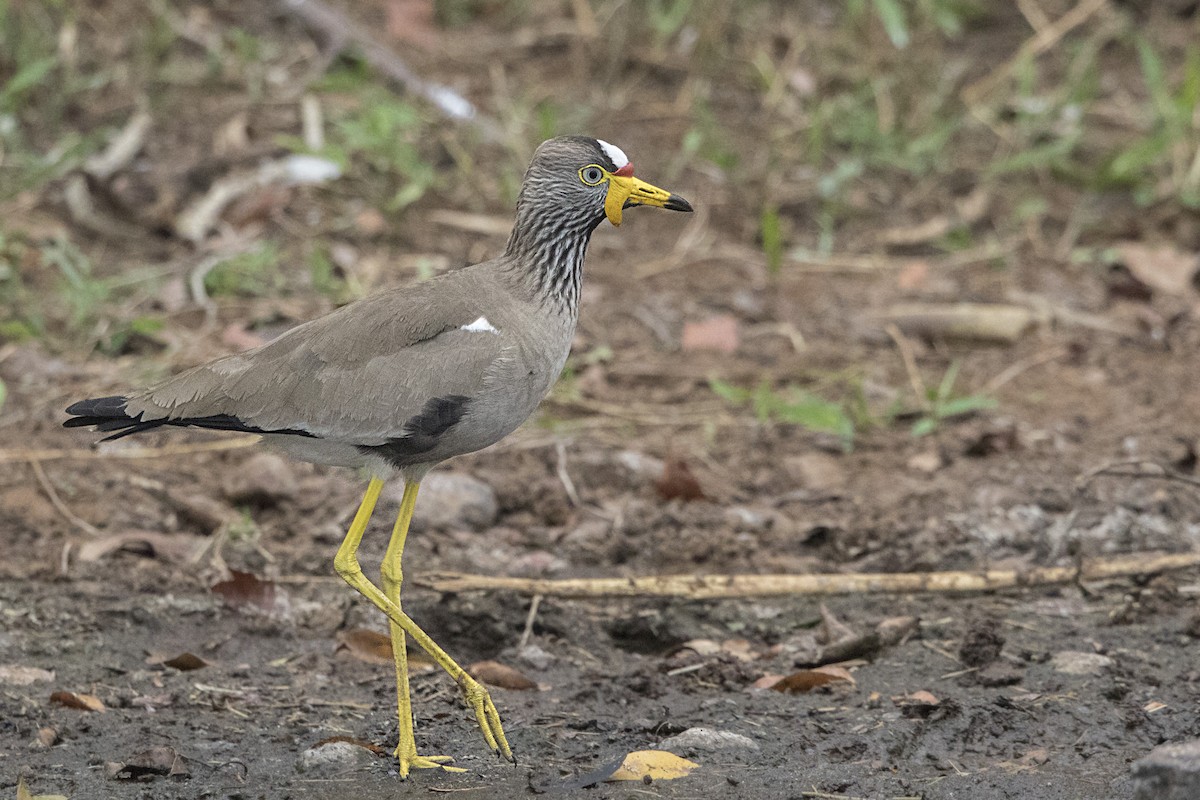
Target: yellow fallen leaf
[78,700]
[23,793]
[658,765]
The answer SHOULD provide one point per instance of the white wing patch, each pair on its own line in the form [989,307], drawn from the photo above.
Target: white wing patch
[615,153]
[480,325]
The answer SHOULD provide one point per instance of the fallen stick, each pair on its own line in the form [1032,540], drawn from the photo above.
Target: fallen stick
[81,454]
[728,586]
[341,31]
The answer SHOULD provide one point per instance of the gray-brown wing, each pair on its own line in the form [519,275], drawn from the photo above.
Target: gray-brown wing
[356,375]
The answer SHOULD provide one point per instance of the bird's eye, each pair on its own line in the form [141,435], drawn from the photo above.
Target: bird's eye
[591,175]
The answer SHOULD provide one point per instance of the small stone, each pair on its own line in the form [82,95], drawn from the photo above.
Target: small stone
[742,518]
[928,462]
[981,643]
[644,467]
[820,472]
[536,657]
[263,479]
[1072,662]
[333,758]
[1000,673]
[1169,772]
[695,741]
[450,500]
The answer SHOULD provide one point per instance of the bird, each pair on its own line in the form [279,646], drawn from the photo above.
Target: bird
[399,381]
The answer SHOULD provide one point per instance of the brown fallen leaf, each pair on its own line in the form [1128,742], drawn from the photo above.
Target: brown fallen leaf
[173,547]
[1162,267]
[365,645]
[184,662]
[808,679]
[46,737]
[244,589]
[160,760]
[767,681]
[677,481]
[412,22]
[719,334]
[376,648]
[493,673]
[83,702]
[23,793]
[918,704]
[657,765]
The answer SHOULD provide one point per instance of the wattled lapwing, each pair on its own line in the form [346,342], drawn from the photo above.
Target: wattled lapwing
[400,381]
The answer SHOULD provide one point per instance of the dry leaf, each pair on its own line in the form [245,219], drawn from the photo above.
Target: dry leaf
[23,793]
[184,662]
[808,679]
[173,547]
[719,334]
[246,589]
[1162,267]
[493,673]
[83,702]
[13,675]
[658,765]
[767,681]
[1154,706]
[366,645]
[917,704]
[46,737]
[161,760]
[411,21]
[677,481]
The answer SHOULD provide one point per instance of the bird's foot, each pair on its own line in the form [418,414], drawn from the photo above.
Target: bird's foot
[486,715]
[410,761]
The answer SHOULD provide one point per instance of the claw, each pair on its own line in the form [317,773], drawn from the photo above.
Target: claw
[486,716]
[414,761]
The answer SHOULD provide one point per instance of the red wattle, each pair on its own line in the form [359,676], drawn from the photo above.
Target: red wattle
[625,171]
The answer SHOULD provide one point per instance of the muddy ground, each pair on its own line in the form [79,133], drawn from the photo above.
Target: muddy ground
[1086,449]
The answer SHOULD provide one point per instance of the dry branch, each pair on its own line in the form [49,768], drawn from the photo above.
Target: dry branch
[80,454]
[340,31]
[728,586]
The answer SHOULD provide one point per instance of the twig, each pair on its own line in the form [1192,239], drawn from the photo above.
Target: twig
[9,456]
[724,586]
[565,477]
[910,364]
[529,619]
[1039,43]
[341,31]
[57,502]
[1015,369]
[1114,468]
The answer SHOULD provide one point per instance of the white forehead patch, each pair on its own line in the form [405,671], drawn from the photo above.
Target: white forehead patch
[480,325]
[615,154]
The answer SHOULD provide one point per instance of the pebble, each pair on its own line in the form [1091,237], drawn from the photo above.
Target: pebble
[536,657]
[706,740]
[263,478]
[819,472]
[449,500]
[1169,772]
[333,758]
[1072,662]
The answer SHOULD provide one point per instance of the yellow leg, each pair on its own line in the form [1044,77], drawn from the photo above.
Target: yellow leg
[347,566]
[393,576]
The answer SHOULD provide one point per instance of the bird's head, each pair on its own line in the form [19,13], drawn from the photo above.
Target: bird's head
[591,179]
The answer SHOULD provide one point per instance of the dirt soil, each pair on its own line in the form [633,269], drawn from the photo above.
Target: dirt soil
[107,562]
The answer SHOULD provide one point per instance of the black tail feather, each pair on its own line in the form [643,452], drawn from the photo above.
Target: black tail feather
[108,414]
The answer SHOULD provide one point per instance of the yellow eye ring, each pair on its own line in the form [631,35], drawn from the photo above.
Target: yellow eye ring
[592,175]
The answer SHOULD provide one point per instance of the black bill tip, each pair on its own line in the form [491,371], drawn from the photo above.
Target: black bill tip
[677,203]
